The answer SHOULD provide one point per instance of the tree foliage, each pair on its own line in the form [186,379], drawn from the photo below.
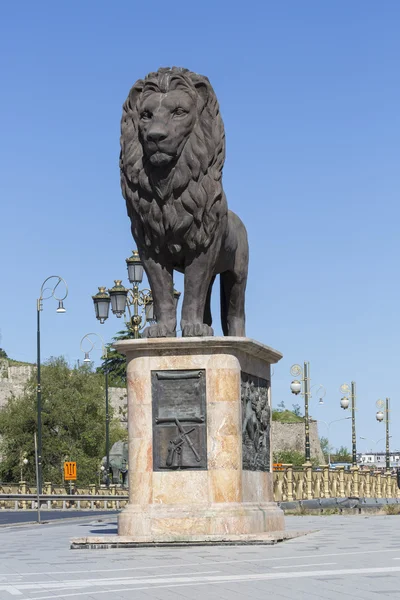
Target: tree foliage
[342,455]
[73,424]
[325,447]
[115,363]
[292,457]
[286,416]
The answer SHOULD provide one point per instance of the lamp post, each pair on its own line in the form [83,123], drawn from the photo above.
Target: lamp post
[350,391]
[328,425]
[23,463]
[384,417]
[52,293]
[101,471]
[137,303]
[303,387]
[87,360]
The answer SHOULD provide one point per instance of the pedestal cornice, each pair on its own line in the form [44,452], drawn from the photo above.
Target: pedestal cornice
[198,345]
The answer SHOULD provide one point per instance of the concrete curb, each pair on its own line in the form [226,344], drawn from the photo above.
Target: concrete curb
[357,505]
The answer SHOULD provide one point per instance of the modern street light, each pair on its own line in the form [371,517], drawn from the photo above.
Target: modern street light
[52,293]
[296,388]
[87,359]
[373,441]
[328,425]
[137,303]
[350,391]
[384,417]
[102,469]
[23,463]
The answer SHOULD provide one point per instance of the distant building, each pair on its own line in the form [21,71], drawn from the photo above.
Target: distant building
[378,459]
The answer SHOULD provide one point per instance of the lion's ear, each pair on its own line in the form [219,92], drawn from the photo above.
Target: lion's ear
[202,88]
[134,94]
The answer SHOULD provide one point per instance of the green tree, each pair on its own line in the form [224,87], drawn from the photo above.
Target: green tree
[292,457]
[342,454]
[324,443]
[73,424]
[3,353]
[297,410]
[115,363]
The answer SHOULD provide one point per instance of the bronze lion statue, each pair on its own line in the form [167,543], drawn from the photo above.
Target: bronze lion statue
[172,155]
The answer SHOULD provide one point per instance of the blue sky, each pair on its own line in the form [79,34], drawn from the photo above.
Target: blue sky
[309,93]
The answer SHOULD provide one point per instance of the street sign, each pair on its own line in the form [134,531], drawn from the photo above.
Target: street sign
[69,471]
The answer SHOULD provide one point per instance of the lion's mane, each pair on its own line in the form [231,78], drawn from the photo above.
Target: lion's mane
[188,214]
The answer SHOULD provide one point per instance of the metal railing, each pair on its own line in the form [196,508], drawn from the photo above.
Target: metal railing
[62,501]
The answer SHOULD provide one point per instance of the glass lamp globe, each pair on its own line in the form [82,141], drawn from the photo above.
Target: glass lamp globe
[379,416]
[295,387]
[344,402]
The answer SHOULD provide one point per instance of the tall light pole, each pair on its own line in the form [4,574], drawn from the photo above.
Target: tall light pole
[350,391]
[380,416]
[51,292]
[328,425]
[296,387]
[92,343]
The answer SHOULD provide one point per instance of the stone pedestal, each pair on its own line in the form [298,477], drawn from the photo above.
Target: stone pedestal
[218,485]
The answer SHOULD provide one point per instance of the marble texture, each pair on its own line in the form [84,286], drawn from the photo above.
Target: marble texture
[223,500]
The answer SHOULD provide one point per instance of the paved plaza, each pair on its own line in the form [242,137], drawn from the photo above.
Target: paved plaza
[347,557]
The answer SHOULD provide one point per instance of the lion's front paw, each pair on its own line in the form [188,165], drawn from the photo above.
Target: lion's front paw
[157,331]
[196,330]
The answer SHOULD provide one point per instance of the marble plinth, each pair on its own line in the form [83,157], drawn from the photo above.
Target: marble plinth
[223,502]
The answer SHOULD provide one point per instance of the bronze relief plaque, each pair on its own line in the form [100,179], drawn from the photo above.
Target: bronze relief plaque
[179,420]
[256,423]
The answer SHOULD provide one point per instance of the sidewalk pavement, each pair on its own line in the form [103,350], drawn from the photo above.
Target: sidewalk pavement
[348,558]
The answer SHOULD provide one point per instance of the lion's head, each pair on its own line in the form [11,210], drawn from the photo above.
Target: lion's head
[172,155]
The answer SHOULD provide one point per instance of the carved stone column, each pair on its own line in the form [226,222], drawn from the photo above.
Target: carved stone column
[355,488]
[308,476]
[368,484]
[325,470]
[289,475]
[378,485]
[342,493]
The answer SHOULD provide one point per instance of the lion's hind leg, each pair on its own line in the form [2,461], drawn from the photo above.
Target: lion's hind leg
[232,304]
[233,281]
[207,307]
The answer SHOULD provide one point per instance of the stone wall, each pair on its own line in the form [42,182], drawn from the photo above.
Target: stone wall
[13,380]
[290,436]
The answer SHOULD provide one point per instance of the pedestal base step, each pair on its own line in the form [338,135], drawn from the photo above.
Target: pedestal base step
[119,541]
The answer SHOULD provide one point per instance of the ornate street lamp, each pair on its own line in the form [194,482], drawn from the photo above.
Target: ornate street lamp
[134,304]
[135,268]
[87,339]
[101,302]
[384,417]
[45,294]
[350,391]
[296,388]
